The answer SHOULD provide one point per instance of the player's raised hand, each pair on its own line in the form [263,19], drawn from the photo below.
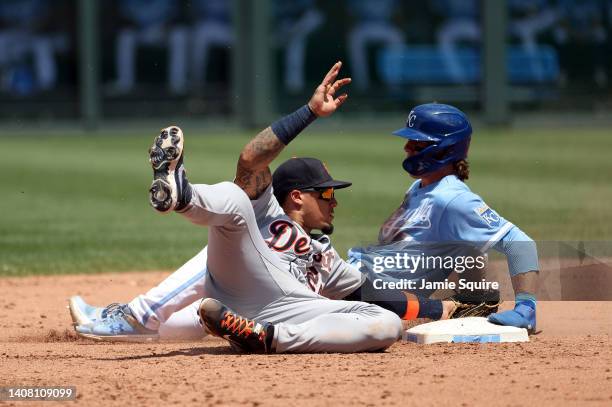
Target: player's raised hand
[323,101]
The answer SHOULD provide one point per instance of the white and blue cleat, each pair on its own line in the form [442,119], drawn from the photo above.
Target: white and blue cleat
[114,323]
[85,314]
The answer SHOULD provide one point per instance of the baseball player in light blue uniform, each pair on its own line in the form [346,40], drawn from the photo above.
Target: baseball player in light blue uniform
[440,207]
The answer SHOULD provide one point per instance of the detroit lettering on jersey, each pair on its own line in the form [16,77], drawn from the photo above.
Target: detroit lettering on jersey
[446,211]
[310,259]
[293,244]
[311,256]
[288,236]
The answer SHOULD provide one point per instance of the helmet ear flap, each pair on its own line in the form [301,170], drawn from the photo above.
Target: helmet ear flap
[443,153]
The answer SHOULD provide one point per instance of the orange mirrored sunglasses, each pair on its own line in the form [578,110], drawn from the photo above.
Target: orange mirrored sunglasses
[326,194]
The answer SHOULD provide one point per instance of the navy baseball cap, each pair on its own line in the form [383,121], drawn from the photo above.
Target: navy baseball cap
[303,173]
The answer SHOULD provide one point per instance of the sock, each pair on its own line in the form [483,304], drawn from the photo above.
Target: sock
[526,299]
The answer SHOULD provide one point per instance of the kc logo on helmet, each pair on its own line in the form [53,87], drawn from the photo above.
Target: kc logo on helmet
[411,118]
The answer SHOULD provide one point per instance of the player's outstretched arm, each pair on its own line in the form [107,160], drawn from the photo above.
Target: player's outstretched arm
[253,174]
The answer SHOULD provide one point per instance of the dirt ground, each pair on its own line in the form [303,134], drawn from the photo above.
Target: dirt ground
[569,362]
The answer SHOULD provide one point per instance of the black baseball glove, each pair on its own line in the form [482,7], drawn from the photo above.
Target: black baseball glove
[470,305]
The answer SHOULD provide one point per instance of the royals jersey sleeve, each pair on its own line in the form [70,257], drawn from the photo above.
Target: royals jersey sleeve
[467,218]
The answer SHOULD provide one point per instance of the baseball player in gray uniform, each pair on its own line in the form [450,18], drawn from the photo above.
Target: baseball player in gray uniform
[252,300]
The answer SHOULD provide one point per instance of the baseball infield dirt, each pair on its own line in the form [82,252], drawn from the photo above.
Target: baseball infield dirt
[569,362]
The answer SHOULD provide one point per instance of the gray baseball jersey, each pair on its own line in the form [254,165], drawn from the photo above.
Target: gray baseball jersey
[247,275]
[311,261]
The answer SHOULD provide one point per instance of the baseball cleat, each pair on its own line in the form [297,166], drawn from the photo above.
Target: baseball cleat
[170,189]
[85,314]
[117,325]
[243,334]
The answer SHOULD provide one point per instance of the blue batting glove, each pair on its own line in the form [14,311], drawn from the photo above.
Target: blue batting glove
[522,316]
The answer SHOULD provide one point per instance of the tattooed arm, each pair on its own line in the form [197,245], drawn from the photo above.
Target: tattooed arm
[253,173]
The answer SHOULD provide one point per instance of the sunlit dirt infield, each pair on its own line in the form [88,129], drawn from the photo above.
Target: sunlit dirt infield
[568,362]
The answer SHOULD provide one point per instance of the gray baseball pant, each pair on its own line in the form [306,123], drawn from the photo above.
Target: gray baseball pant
[248,277]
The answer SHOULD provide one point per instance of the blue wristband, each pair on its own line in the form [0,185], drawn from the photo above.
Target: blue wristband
[288,127]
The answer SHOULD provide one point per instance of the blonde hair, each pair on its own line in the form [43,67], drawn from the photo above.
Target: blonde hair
[462,169]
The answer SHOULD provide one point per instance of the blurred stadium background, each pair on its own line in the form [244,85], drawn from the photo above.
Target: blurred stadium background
[85,85]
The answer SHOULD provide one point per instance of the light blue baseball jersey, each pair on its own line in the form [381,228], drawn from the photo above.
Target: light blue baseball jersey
[445,211]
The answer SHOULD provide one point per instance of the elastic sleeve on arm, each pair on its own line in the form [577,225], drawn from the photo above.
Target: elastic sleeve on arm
[520,250]
[288,127]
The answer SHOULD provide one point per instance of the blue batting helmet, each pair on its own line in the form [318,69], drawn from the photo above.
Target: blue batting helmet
[446,127]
